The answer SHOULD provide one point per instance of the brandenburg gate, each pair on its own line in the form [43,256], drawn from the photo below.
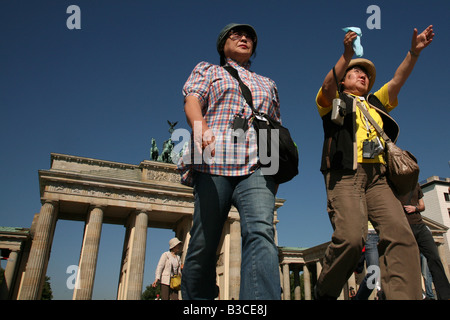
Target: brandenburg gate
[139,197]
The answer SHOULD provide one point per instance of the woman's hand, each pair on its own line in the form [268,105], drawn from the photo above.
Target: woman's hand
[329,86]
[203,135]
[208,138]
[418,43]
[348,44]
[421,41]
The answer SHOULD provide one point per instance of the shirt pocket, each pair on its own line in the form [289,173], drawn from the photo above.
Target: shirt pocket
[225,94]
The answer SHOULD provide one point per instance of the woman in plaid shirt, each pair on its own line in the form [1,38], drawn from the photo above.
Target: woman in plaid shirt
[223,169]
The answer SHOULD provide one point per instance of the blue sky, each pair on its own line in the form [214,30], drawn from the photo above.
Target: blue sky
[105,90]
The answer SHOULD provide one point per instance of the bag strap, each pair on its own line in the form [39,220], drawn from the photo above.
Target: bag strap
[373,122]
[244,89]
[338,87]
[168,257]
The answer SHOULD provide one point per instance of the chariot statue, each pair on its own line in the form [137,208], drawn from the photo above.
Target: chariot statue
[166,154]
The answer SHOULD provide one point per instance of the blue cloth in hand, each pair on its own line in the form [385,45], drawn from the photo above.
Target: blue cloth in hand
[357,47]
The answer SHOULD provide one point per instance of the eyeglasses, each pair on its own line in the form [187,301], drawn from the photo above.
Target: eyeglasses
[359,71]
[237,35]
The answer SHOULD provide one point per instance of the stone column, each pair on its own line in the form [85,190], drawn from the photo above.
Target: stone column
[235,259]
[136,258]
[87,265]
[182,233]
[297,289]
[280,268]
[36,268]
[286,283]
[307,282]
[318,268]
[441,251]
[7,285]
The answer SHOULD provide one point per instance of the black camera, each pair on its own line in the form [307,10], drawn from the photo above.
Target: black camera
[240,126]
[372,148]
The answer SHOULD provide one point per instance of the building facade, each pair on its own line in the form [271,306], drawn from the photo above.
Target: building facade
[436,195]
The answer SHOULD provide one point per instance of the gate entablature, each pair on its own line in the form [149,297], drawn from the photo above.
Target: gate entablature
[78,183]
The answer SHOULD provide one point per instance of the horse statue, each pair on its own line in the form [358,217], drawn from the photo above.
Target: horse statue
[166,154]
[154,151]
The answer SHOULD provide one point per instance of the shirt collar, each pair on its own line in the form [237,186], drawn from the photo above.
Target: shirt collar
[235,64]
[361,98]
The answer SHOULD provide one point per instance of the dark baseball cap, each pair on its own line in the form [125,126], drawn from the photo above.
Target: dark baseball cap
[222,35]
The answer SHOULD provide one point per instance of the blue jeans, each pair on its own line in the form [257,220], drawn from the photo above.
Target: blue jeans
[371,257]
[254,198]
[427,277]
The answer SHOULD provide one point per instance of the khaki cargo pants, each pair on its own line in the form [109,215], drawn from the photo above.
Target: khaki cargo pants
[352,198]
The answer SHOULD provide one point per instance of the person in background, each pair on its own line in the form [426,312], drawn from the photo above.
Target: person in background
[169,265]
[371,257]
[413,205]
[428,279]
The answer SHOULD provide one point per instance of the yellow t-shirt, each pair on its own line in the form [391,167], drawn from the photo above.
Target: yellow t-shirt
[362,126]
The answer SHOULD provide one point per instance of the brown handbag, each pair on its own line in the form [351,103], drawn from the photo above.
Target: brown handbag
[402,167]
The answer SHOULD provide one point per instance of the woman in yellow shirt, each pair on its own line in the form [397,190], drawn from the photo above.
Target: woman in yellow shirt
[354,169]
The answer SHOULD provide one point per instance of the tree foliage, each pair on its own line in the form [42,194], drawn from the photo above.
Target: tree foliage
[47,293]
[151,293]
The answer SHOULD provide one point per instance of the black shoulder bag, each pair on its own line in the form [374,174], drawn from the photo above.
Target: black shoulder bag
[287,149]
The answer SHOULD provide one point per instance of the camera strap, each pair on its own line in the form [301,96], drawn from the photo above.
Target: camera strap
[244,89]
[361,105]
[338,87]
[373,122]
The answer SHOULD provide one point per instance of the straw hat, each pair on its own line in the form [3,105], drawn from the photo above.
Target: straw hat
[368,66]
[173,243]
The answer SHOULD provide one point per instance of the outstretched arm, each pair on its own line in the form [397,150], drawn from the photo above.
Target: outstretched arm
[418,43]
[329,87]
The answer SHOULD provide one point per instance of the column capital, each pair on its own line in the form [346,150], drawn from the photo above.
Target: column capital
[146,211]
[54,203]
[97,206]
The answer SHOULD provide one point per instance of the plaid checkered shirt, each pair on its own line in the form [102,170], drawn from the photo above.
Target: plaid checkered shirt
[221,100]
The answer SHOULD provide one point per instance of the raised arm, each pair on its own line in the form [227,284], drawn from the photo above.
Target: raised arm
[329,84]
[418,43]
